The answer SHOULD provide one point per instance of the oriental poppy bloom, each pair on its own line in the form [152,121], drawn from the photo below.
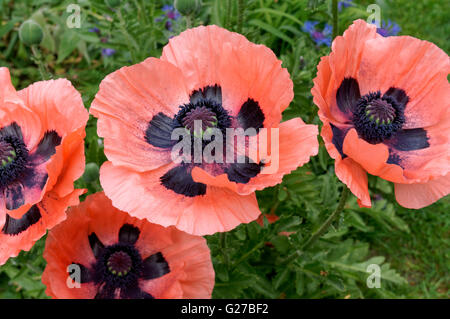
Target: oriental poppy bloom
[205,74]
[385,107]
[101,252]
[41,155]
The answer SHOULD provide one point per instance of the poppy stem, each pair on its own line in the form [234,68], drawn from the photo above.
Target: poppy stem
[131,42]
[334,9]
[322,229]
[223,247]
[248,253]
[228,16]
[241,9]
[39,62]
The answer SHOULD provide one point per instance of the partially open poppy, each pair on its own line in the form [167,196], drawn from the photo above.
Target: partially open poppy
[101,252]
[205,74]
[41,155]
[385,108]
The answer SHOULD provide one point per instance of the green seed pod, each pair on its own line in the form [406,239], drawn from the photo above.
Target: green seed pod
[91,173]
[30,33]
[112,3]
[188,7]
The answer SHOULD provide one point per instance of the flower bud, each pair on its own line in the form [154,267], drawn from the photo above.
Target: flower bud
[30,33]
[91,173]
[188,7]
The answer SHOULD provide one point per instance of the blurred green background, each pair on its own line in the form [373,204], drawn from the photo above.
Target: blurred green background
[411,247]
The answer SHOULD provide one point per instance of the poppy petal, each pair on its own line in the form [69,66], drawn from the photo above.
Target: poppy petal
[179,180]
[425,154]
[46,148]
[347,96]
[420,195]
[212,55]
[128,234]
[250,115]
[344,62]
[355,177]
[58,105]
[292,132]
[21,233]
[143,196]
[155,266]
[128,105]
[409,140]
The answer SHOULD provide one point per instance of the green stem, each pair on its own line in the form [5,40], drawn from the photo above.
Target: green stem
[39,62]
[322,229]
[248,253]
[228,16]
[223,246]
[131,42]
[188,19]
[241,9]
[334,9]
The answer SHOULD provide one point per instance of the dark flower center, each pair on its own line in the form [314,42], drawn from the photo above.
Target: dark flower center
[380,111]
[7,153]
[13,158]
[119,263]
[377,118]
[206,116]
[210,113]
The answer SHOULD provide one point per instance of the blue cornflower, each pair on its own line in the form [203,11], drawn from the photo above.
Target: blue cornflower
[94,30]
[344,4]
[108,51]
[319,37]
[171,12]
[388,29]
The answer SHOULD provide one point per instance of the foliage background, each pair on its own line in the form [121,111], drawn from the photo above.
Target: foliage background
[412,247]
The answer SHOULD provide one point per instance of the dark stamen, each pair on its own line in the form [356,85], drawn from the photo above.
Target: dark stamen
[207,117]
[377,118]
[119,263]
[13,155]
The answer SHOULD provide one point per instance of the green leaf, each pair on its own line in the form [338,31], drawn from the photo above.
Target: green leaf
[69,42]
[272,30]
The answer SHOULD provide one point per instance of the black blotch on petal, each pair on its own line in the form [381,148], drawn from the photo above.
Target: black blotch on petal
[409,140]
[211,93]
[12,130]
[134,292]
[81,275]
[159,131]
[33,178]
[155,266]
[129,234]
[394,158]
[16,226]
[338,139]
[250,115]
[179,180]
[399,95]
[348,95]
[14,196]
[105,292]
[96,245]
[46,147]
[243,172]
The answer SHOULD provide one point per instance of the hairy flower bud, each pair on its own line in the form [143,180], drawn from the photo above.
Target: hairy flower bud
[30,33]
